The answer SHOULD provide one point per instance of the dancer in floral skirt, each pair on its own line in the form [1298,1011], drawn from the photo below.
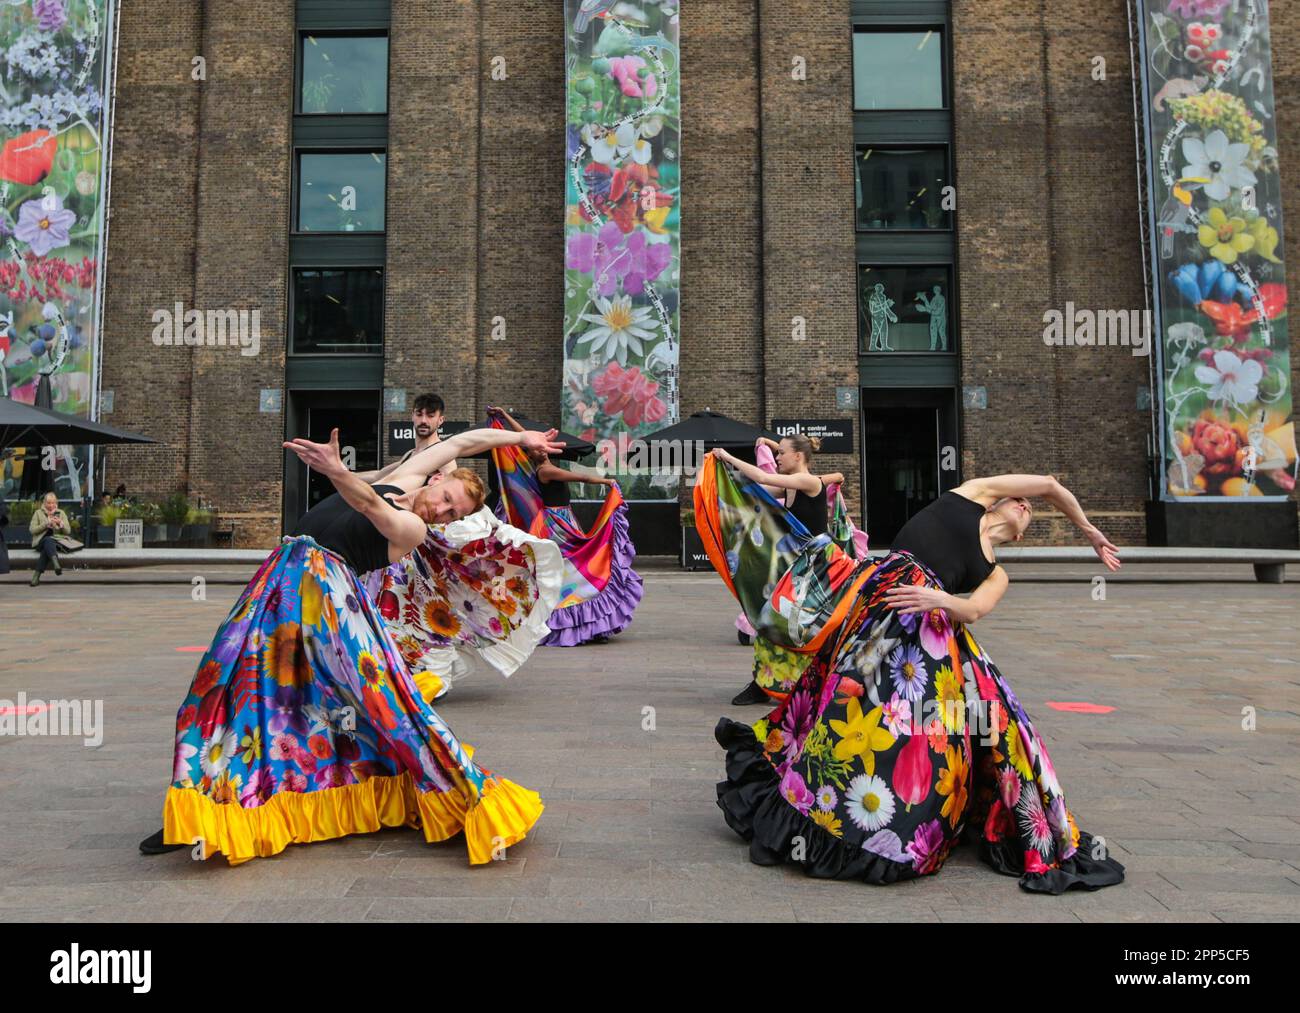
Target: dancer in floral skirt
[901,735]
[304,722]
[601,590]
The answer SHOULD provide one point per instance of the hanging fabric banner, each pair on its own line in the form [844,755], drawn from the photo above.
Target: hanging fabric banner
[622,234]
[1224,393]
[55,71]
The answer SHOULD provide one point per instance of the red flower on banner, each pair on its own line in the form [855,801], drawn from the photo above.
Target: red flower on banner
[28,158]
[631,392]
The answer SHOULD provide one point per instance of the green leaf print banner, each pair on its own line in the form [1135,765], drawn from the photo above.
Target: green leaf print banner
[55,70]
[1220,298]
[622,233]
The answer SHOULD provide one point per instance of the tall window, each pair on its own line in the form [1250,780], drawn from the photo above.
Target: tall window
[903,188]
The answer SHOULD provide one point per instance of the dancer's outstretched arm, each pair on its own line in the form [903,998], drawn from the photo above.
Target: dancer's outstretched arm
[403,529]
[550,473]
[377,476]
[473,441]
[805,482]
[989,490]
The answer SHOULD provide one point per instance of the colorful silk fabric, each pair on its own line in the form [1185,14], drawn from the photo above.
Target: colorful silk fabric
[776,669]
[900,735]
[601,590]
[305,723]
[476,588]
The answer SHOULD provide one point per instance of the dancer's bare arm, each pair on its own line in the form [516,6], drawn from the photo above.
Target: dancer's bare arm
[989,490]
[834,478]
[550,473]
[403,529]
[473,441]
[378,475]
[804,482]
[910,598]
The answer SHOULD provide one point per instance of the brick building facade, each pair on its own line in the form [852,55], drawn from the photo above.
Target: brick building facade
[1041,157]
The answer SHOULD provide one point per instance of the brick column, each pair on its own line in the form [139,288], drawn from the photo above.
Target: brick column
[152,237]
[432,274]
[809,252]
[241,256]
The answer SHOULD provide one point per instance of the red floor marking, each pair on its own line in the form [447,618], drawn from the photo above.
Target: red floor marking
[192,649]
[1080,708]
[34,708]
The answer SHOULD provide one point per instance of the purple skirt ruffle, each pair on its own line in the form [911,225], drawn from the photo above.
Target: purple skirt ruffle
[610,611]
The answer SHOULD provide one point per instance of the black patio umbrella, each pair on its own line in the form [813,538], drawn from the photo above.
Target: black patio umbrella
[24,425]
[575,447]
[712,429]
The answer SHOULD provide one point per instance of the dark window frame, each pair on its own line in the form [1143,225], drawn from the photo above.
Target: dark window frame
[318,149]
[954,331]
[294,269]
[945,146]
[359,33]
[922,24]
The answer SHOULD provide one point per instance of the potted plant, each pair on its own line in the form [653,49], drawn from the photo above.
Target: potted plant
[106,519]
[173,513]
[16,533]
[198,527]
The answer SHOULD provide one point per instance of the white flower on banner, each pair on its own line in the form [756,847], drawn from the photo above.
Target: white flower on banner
[1219,162]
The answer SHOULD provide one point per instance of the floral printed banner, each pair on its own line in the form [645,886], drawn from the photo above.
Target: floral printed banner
[55,65]
[1220,284]
[622,230]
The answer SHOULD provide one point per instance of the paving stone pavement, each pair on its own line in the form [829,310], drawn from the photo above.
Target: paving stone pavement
[1202,812]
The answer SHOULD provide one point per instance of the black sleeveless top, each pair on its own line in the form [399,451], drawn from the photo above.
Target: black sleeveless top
[340,528]
[555,494]
[811,510]
[945,536]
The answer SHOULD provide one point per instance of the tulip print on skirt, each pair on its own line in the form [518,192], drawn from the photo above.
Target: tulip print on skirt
[304,723]
[900,736]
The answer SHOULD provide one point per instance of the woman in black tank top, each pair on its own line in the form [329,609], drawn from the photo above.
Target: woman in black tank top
[901,736]
[306,650]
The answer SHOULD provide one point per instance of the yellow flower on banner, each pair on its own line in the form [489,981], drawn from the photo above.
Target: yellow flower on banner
[1266,239]
[861,735]
[654,220]
[1225,237]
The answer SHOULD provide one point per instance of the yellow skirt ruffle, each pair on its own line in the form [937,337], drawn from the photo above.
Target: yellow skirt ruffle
[502,817]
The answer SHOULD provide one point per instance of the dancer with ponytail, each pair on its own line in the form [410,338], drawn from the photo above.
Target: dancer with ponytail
[601,590]
[804,495]
[901,735]
[841,528]
[304,722]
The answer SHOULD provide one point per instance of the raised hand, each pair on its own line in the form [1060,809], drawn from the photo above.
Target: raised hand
[1108,553]
[321,457]
[543,443]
